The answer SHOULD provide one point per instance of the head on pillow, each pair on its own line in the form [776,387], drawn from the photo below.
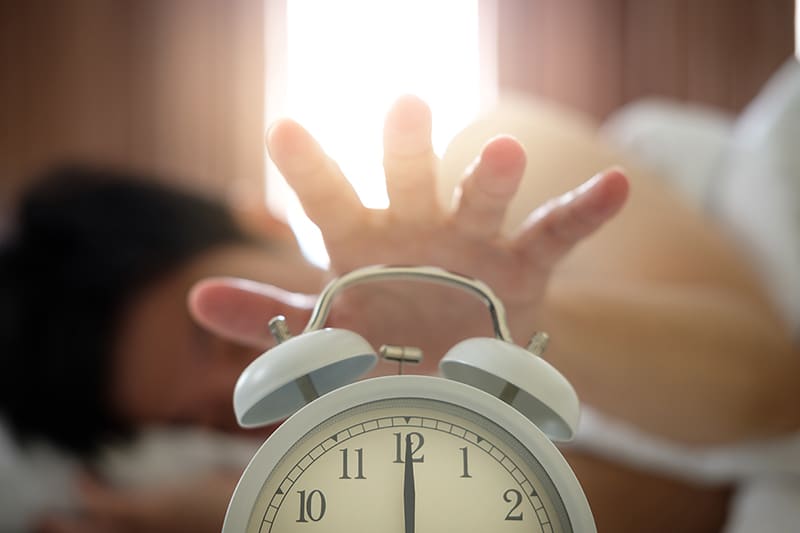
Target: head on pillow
[85,246]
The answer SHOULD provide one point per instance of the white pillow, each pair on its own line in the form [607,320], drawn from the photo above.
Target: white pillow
[681,143]
[745,173]
[757,192]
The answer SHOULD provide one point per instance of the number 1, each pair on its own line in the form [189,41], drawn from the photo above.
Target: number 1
[466,464]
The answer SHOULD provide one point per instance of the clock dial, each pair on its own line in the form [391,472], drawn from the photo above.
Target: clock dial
[408,465]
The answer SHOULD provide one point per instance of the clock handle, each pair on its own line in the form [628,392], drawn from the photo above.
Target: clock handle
[424,273]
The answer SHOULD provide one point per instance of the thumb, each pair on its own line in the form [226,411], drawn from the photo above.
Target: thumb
[240,310]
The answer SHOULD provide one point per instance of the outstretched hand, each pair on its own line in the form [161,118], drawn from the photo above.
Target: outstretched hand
[416,230]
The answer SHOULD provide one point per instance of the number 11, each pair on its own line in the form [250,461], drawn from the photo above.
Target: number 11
[359,464]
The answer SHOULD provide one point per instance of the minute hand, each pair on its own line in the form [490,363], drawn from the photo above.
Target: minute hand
[409,493]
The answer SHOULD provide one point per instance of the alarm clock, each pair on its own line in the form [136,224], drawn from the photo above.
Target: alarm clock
[471,450]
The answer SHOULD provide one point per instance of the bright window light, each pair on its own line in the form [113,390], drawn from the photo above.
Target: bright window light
[344,62]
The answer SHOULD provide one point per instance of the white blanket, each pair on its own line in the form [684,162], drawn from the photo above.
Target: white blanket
[746,172]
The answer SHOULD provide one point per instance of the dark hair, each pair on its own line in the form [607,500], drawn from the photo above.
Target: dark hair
[84,242]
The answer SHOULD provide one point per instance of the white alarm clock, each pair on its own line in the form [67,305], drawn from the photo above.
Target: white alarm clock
[467,452]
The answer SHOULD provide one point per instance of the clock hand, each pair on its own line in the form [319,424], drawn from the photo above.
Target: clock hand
[409,493]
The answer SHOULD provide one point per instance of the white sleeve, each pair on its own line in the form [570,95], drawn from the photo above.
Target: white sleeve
[617,440]
[770,505]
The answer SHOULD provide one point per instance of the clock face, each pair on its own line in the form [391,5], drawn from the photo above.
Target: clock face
[407,464]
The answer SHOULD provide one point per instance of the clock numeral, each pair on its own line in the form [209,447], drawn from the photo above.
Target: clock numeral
[359,464]
[309,510]
[415,440]
[465,460]
[513,496]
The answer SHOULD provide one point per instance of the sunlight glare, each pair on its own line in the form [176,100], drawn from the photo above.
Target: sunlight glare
[348,60]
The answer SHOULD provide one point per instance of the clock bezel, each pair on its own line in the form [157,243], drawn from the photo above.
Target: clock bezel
[333,403]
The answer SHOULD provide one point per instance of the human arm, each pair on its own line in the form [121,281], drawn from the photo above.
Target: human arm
[693,364]
[657,318]
[416,229]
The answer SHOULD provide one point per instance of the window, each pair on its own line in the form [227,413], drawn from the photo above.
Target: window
[336,67]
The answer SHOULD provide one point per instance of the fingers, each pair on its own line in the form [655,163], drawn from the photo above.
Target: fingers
[552,230]
[240,310]
[489,186]
[327,197]
[409,161]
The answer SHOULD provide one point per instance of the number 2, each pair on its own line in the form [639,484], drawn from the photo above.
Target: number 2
[516,499]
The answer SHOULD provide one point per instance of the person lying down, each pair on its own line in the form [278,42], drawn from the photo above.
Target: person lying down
[616,269]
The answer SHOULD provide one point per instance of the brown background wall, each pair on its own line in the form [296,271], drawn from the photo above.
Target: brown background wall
[172,87]
[175,87]
[595,55]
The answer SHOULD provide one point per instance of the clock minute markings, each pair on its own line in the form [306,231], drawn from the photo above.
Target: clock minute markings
[313,504]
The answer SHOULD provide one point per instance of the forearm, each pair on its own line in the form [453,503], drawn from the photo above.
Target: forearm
[687,363]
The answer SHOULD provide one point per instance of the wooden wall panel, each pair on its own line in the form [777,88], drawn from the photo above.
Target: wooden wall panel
[596,55]
[169,87]
[655,50]
[175,87]
[569,52]
[734,46]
